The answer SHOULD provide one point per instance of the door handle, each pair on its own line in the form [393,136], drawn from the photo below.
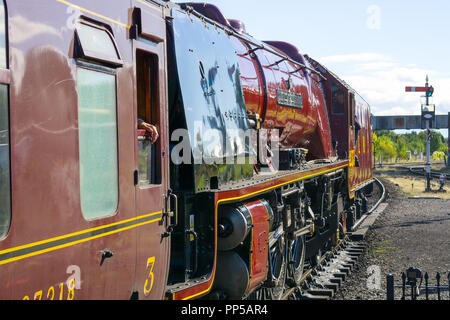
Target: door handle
[173,213]
[106,254]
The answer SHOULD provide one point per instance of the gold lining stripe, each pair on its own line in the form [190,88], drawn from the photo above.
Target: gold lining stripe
[150,6]
[282,184]
[94,13]
[77,241]
[361,184]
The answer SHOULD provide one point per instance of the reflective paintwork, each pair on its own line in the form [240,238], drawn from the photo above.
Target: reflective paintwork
[251,78]
[306,126]
[213,100]
[363,146]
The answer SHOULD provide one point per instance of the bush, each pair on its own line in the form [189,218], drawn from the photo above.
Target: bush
[438,155]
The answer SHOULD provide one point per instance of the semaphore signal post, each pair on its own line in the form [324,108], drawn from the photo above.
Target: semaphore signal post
[428,117]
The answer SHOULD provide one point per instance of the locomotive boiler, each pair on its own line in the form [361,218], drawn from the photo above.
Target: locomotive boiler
[262,164]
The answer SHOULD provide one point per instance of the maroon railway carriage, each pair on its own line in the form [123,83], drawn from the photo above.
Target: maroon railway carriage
[91,209]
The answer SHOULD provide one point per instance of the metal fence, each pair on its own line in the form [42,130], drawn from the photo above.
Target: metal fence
[415,283]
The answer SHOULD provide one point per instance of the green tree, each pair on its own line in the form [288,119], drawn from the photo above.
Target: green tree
[401,145]
[437,142]
[385,148]
[384,140]
[438,155]
[416,142]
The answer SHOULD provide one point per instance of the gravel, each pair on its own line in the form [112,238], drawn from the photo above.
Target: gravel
[409,233]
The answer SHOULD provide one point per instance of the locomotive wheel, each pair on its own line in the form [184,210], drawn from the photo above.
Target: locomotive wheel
[296,259]
[274,287]
[277,261]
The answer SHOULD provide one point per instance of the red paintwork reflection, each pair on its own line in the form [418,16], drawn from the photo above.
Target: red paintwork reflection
[262,75]
[259,251]
[363,147]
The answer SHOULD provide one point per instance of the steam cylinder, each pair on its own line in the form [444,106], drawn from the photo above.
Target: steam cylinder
[234,225]
[232,275]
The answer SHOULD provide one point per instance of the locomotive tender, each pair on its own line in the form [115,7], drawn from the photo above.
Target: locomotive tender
[262,165]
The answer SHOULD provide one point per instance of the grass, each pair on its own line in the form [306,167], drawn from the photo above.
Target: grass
[384,248]
[414,186]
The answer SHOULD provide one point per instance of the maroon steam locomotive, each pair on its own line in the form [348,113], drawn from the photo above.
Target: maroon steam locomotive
[262,164]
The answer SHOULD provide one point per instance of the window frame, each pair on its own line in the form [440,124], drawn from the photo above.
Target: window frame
[109,71]
[5,74]
[93,61]
[336,88]
[352,109]
[5,79]
[81,53]
[149,62]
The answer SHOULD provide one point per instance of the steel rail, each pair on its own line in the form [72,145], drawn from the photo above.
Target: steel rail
[308,272]
[383,196]
[422,172]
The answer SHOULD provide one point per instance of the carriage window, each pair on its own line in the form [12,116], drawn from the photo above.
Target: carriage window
[96,43]
[97,126]
[5,174]
[337,100]
[149,155]
[5,180]
[3,58]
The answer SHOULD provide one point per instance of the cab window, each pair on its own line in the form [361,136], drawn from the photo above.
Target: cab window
[352,106]
[337,100]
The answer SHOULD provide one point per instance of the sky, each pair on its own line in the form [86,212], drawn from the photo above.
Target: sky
[378,47]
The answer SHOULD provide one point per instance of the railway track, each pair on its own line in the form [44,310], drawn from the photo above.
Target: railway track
[420,170]
[323,281]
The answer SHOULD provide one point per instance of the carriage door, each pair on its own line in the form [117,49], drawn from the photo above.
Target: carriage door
[151,168]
